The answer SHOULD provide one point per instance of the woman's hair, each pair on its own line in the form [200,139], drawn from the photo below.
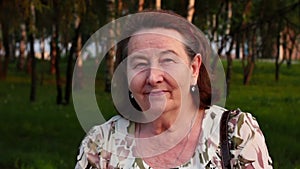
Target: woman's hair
[194,42]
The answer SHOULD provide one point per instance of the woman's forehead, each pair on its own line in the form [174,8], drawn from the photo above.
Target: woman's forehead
[164,32]
[155,38]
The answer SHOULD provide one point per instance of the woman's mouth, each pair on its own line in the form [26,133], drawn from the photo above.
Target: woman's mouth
[156,92]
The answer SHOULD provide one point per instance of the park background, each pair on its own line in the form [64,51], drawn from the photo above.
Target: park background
[40,40]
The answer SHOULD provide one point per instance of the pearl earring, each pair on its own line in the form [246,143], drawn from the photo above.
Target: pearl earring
[193,88]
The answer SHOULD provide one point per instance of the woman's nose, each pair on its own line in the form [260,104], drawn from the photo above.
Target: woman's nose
[155,76]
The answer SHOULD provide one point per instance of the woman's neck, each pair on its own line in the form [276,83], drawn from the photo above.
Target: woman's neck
[178,153]
[170,121]
[161,124]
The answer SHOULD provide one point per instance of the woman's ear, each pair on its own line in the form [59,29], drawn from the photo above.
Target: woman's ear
[195,68]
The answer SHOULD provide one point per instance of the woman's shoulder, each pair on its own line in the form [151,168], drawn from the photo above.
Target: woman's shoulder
[246,140]
[236,115]
[100,136]
[116,122]
[238,119]
[212,117]
[241,125]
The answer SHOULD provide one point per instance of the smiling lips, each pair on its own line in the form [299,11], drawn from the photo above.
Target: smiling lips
[156,92]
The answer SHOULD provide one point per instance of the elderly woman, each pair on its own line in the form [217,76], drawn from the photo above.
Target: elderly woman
[169,120]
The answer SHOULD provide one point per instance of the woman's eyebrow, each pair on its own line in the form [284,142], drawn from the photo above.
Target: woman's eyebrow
[168,52]
[137,56]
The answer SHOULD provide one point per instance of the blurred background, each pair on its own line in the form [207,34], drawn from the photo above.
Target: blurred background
[40,40]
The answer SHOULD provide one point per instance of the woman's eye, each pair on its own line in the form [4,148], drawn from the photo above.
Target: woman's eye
[140,65]
[168,60]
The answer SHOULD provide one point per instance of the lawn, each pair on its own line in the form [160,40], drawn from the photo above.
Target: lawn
[38,135]
[43,135]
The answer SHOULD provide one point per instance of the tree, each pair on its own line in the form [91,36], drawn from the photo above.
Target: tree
[157,4]
[76,47]
[42,48]
[248,37]
[282,33]
[32,53]
[290,42]
[191,10]
[22,48]
[55,50]
[231,34]
[141,5]
[28,9]
[8,26]
[4,67]
[109,58]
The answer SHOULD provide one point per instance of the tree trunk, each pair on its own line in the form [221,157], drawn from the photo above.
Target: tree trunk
[191,10]
[248,73]
[28,61]
[32,54]
[42,48]
[222,44]
[109,58]
[6,49]
[237,46]
[119,14]
[69,73]
[243,38]
[215,22]
[78,82]
[55,53]
[33,69]
[229,16]
[248,70]
[22,47]
[229,66]
[158,4]
[12,47]
[58,78]
[230,32]
[1,58]
[226,18]
[291,48]
[277,64]
[268,40]
[120,8]
[109,68]
[248,58]
[141,5]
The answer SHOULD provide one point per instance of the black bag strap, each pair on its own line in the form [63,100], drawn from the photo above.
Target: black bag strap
[224,142]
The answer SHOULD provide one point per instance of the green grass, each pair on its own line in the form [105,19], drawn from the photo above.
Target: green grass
[36,135]
[43,135]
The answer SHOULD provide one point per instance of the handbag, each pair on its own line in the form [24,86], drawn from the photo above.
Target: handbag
[224,142]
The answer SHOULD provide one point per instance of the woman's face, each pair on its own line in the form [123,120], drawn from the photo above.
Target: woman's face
[159,71]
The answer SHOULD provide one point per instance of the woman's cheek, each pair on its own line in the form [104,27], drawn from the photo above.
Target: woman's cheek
[179,74]
[136,82]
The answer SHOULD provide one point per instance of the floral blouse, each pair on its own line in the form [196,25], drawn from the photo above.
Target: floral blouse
[248,147]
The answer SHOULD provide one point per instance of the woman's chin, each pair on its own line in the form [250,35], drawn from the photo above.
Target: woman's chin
[155,108]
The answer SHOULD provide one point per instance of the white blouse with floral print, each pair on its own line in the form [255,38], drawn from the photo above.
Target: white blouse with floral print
[248,147]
